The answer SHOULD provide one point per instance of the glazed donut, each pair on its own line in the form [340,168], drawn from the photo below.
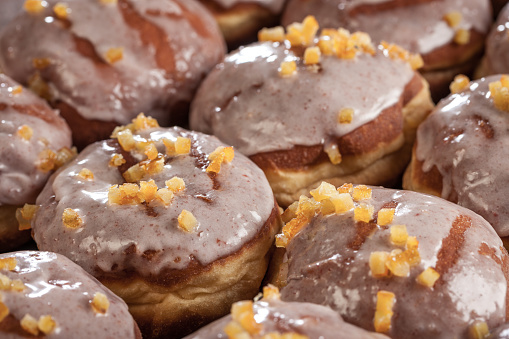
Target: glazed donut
[460,151]
[45,295]
[102,62]
[271,316]
[293,125]
[449,34]
[240,20]
[170,220]
[34,139]
[402,263]
[496,59]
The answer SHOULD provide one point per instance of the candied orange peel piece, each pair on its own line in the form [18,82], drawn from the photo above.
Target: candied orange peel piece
[100,303]
[383,315]
[41,63]
[219,156]
[25,132]
[25,214]
[361,192]
[377,264]
[500,93]
[86,174]
[242,313]
[180,146]
[71,219]
[363,213]
[399,235]
[459,84]
[151,151]
[312,55]
[479,330]
[117,160]
[287,68]
[114,54]
[175,184]
[271,292]
[8,263]
[345,115]
[428,277]
[396,52]
[30,324]
[462,36]
[34,6]
[385,216]
[333,153]
[61,10]
[6,284]
[187,221]
[4,311]
[453,18]
[274,34]
[46,324]
[39,86]
[46,160]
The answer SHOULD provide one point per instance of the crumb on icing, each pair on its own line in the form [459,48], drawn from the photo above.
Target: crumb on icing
[46,160]
[361,192]
[117,160]
[363,212]
[34,6]
[181,146]
[479,330]
[71,218]
[345,188]
[428,277]
[312,55]
[220,155]
[332,151]
[287,68]
[383,315]
[114,54]
[462,36]
[4,311]
[25,132]
[133,194]
[8,263]
[377,264]
[86,174]
[500,93]
[399,235]
[146,167]
[41,63]
[243,314]
[187,221]
[271,292]
[6,284]
[141,122]
[165,196]
[400,262]
[39,86]
[453,18]
[302,34]
[30,324]
[100,303]
[64,155]
[324,191]
[16,90]
[126,140]
[396,52]
[175,184]
[385,216]
[274,34]
[61,10]
[459,84]
[151,151]
[345,115]
[24,215]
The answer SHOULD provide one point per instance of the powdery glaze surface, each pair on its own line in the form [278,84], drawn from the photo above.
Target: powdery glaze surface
[56,286]
[138,82]
[466,139]
[501,332]
[234,214]
[314,321]
[246,103]
[274,6]
[20,180]
[8,10]
[419,28]
[328,265]
[497,45]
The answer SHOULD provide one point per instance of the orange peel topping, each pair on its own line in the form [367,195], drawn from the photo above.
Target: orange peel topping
[377,265]
[361,192]
[175,184]
[46,160]
[117,160]
[462,36]
[114,54]
[274,34]
[396,52]
[34,6]
[151,151]
[180,146]
[100,303]
[242,313]
[428,277]
[165,196]
[64,155]
[71,219]
[500,93]
[39,86]
[453,18]
[459,84]
[383,315]
[61,10]
[46,324]
[24,215]
[187,221]
[25,132]
[8,263]
[271,292]
[86,174]
[345,188]
[385,216]
[41,63]
[363,213]
[479,330]
[30,324]
[219,156]
[287,68]
[333,153]
[16,90]
[312,55]
[399,235]
[345,115]
[4,311]
[324,191]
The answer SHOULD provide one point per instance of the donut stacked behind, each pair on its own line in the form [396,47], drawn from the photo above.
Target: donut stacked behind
[449,34]
[496,58]
[399,262]
[307,109]
[170,220]
[45,295]
[103,62]
[239,20]
[34,140]
[461,150]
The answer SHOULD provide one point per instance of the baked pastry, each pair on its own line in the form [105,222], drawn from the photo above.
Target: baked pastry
[398,262]
[103,62]
[293,320]
[45,295]
[172,221]
[496,59]
[449,34]
[34,140]
[333,107]
[240,20]
[460,150]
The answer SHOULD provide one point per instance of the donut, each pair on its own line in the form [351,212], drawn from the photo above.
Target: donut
[496,60]
[240,20]
[396,262]
[449,34]
[275,318]
[103,62]
[460,150]
[34,140]
[45,295]
[318,110]
[174,222]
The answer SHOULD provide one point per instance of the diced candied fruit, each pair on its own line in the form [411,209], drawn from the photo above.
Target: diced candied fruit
[71,218]
[500,93]
[377,265]
[125,194]
[117,160]
[215,165]
[5,282]
[309,28]
[134,174]
[326,45]
[459,83]
[287,68]
[148,190]
[46,160]
[462,36]
[324,191]
[187,221]
[176,184]
[46,324]
[345,115]
[86,174]
[109,2]
[327,207]
[290,212]
[142,122]
[345,188]
[399,235]
[182,145]
[17,285]
[479,330]
[41,63]
[275,34]
[415,61]
[242,312]
[165,196]
[235,330]
[361,192]
[64,155]
[383,315]
[307,207]
[8,263]
[114,54]
[16,90]
[61,10]
[412,243]
[282,240]
[312,56]
[24,215]
[363,213]
[4,311]
[25,132]
[453,19]
[397,52]
[385,216]
[397,264]
[294,34]
[152,167]
[342,202]
[39,86]
[363,42]
[126,140]
[219,156]
[332,151]
[151,151]
[271,292]
[428,277]
[30,324]
[34,6]
[100,303]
